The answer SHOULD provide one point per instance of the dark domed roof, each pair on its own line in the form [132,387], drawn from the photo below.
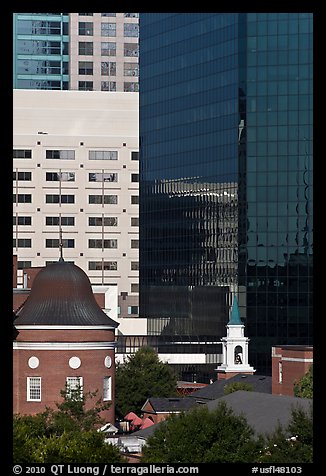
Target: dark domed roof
[61,294]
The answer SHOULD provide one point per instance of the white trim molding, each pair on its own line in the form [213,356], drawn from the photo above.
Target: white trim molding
[65,328]
[63,345]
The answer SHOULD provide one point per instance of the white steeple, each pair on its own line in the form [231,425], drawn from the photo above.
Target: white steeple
[235,347]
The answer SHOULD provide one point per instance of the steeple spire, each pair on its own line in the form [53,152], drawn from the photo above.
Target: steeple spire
[235,319]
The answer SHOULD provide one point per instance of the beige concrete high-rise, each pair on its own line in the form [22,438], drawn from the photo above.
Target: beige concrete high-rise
[103,51]
[75,162]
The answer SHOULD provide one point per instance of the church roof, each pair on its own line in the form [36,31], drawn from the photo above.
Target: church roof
[235,315]
[61,294]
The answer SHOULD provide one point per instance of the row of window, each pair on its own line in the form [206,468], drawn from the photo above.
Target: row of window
[108,86]
[126,15]
[70,176]
[70,221]
[92,266]
[34,387]
[70,154]
[130,30]
[70,243]
[108,68]
[108,48]
[56,198]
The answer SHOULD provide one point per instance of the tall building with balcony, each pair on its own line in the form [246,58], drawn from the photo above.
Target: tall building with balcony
[75,176]
[77,51]
[226,182]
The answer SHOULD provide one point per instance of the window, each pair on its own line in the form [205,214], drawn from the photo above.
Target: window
[134,221]
[108,29]
[131,15]
[54,243]
[102,177]
[73,384]
[131,30]
[55,221]
[135,177]
[106,221]
[85,48]
[85,67]
[85,86]
[85,14]
[22,243]
[22,220]
[108,86]
[134,266]
[108,14]
[103,155]
[108,68]
[60,154]
[132,309]
[108,48]
[23,264]
[107,388]
[33,389]
[134,288]
[103,243]
[85,28]
[105,199]
[103,265]
[22,154]
[131,49]
[56,198]
[134,155]
[134,244]
[130,69]
[134,199]
[60,176]
[22,198]
[26,176]
[131,87]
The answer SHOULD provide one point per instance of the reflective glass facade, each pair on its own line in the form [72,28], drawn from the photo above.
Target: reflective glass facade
[225,180]
[41,56]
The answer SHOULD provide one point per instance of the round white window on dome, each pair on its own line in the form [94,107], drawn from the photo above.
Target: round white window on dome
[74,362]
[108,361]
[33,362]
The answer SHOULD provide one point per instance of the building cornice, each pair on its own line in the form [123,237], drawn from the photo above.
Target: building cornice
[63,345]
[65,328]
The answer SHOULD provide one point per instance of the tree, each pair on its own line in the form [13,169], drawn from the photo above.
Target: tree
[203,436]
[68,434]
[235,386]
[141,376]
[292,444]
[303,388]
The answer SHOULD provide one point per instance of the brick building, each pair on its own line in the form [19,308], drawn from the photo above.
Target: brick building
[64,338]
[289,363]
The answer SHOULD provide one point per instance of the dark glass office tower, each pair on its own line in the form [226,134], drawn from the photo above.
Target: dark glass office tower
[226,180]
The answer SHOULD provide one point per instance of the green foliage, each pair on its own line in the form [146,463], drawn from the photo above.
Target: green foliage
[75,447]
[143,375]
[303,388]
[294,444]
[202,436]
[68,434]
[235,386]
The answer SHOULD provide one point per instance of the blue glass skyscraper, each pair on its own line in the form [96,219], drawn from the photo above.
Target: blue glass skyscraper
[41,56]
[226,180]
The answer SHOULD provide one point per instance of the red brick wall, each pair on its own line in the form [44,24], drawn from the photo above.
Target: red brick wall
[66,335]
[53,369]
[295,362]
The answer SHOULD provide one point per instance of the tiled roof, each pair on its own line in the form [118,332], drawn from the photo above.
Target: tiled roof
[172,404]
[262,411]
[260,383]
